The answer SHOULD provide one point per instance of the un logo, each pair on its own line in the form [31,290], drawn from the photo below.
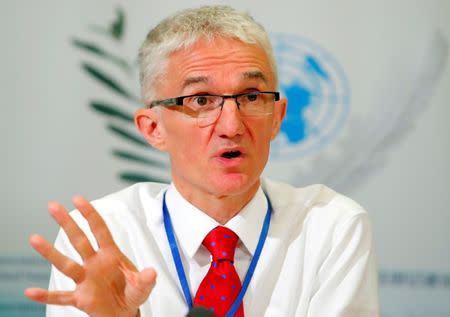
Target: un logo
[318,96]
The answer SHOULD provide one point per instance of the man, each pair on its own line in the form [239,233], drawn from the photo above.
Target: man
[218,236]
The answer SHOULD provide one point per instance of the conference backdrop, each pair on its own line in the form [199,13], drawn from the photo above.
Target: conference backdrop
[368,87]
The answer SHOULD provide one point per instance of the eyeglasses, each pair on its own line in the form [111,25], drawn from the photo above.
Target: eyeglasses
[206,108]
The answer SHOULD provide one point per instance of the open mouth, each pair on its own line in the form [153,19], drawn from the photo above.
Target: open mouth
[231,154]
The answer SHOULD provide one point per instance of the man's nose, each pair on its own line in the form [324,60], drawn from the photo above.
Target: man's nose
[230,124]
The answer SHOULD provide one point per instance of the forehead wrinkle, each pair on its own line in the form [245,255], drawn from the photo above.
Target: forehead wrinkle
[195,80]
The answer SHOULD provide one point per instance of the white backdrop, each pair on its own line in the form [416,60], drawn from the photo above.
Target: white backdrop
[57,146]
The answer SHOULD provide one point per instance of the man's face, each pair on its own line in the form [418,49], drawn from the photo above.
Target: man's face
[199,160]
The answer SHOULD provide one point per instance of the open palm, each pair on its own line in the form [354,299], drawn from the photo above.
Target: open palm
[107,283]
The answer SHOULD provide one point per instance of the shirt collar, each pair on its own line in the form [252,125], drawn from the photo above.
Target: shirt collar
[191,225]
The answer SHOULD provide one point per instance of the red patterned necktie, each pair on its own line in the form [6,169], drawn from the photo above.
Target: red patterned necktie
[221,285]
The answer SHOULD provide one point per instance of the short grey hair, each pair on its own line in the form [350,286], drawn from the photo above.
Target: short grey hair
[185,28]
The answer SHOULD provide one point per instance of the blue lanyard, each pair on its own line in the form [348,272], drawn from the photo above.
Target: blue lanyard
[179,265]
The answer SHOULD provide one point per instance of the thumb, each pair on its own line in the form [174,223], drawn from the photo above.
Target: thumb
[140,285]
[147,278]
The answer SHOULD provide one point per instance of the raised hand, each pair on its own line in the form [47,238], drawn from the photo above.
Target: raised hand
[107,283]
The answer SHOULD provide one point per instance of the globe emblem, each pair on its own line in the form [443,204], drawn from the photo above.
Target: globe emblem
[318,96]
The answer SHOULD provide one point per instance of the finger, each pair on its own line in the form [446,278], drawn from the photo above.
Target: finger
[140,285]
[64,264]
[55,298]
[76,236]
[147,278]
[96,222]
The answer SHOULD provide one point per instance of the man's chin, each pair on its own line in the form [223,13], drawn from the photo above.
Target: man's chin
[234,184]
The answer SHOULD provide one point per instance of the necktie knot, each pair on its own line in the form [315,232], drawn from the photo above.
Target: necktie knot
[221,243]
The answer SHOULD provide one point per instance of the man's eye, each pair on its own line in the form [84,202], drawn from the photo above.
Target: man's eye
[200,100]
[252,97]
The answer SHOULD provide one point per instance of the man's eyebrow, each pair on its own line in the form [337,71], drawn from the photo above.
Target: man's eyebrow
[254,75]
[195,80]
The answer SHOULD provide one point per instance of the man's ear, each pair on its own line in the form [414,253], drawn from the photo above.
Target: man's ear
[148,122]
[279,113]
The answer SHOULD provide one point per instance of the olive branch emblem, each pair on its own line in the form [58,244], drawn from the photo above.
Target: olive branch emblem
[119,115]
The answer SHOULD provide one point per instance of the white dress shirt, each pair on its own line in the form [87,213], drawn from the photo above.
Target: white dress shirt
[318,258]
